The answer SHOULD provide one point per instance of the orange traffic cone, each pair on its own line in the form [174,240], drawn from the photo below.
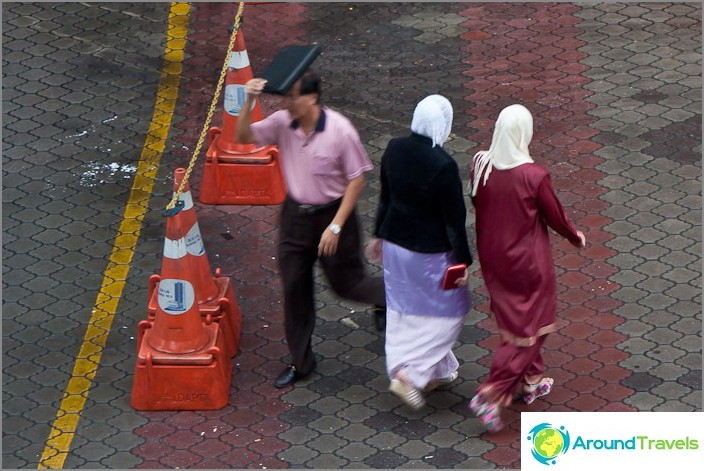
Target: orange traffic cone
[236,173]
[214,295]
[176,329]
[179,361]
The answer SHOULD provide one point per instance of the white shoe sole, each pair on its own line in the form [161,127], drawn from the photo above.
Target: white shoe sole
[411,396]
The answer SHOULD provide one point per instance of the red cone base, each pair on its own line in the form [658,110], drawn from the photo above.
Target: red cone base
[193,381]
[252,178]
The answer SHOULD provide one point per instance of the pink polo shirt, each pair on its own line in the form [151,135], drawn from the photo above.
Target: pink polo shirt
[318,167]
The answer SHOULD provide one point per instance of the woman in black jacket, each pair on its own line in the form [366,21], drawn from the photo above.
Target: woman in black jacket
[420,230]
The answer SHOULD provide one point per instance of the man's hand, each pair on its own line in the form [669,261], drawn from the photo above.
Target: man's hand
[254,86]
[328,243]
[243,133]
[583,239]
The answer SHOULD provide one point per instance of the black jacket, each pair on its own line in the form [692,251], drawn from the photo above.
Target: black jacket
[421,205]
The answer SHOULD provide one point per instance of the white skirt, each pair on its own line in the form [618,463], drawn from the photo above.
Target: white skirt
[421,346]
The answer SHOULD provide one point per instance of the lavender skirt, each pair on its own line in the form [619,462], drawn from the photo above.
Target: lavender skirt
[413,283]
[423,321]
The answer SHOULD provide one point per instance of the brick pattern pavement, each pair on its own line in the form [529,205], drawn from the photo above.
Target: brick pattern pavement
[648,97]
[616,93]
[79,82]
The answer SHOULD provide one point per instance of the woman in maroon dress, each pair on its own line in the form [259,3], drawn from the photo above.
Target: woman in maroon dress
[515,204]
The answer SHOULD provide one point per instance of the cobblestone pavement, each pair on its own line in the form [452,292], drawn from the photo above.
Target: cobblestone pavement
[615,89]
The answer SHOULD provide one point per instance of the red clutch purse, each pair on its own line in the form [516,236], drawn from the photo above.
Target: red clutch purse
[452,274]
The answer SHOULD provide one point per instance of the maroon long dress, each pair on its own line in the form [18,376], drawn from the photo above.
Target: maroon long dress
[513,212]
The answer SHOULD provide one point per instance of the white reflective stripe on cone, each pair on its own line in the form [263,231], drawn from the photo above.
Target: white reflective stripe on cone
[238,60]
[175,249]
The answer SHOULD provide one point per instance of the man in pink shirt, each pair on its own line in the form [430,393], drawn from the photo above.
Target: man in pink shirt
[323,163]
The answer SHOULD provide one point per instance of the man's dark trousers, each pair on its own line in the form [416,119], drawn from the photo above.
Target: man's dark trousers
[299,236]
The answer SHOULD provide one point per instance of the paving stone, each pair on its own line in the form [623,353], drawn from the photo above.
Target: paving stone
[385,459]
[356,413]
[327,462]
[298,455]
[356,452]
[654,285]
[689,344]
[385,440]
[690,361]
[666,353]
[121,459]
[328,424]
[356,394]
[301,397]
[670,391]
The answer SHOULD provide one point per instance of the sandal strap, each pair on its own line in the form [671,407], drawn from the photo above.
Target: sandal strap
[542,388]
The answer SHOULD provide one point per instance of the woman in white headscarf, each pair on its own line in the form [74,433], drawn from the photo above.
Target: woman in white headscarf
[420,227]
[515,203]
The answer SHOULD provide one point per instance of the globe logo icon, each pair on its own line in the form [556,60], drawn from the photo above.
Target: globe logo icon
[548,442]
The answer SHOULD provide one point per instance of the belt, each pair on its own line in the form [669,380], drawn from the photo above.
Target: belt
[309,209]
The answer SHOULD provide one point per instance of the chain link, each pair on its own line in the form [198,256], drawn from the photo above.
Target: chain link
[213,105]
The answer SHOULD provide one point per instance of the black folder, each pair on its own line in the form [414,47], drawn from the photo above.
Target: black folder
[288,65]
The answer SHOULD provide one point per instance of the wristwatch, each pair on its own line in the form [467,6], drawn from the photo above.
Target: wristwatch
[335,228]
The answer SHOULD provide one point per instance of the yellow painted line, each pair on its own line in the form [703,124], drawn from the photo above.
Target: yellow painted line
[64,427]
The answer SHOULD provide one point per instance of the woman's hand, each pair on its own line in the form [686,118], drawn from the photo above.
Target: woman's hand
[373,251]
[465,278]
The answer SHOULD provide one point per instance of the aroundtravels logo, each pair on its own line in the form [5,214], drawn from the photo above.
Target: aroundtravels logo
[548,442]
[611,440]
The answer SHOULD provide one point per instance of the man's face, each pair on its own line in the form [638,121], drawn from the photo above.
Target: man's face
[297,104]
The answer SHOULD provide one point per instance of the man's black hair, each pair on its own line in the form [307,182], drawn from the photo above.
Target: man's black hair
[310,83]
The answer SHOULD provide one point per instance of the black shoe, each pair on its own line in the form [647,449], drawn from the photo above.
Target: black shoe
[380,318]
[287,377]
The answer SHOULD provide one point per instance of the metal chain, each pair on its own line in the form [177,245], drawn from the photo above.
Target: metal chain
[213,105]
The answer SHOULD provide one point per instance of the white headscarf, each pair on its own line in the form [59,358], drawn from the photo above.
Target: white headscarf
[433,118]
[509,145]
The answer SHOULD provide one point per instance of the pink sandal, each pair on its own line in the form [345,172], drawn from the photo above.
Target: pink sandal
[489,414]
[531,392]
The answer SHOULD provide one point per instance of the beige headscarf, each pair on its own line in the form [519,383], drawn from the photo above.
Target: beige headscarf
[433,118]
[509,145]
